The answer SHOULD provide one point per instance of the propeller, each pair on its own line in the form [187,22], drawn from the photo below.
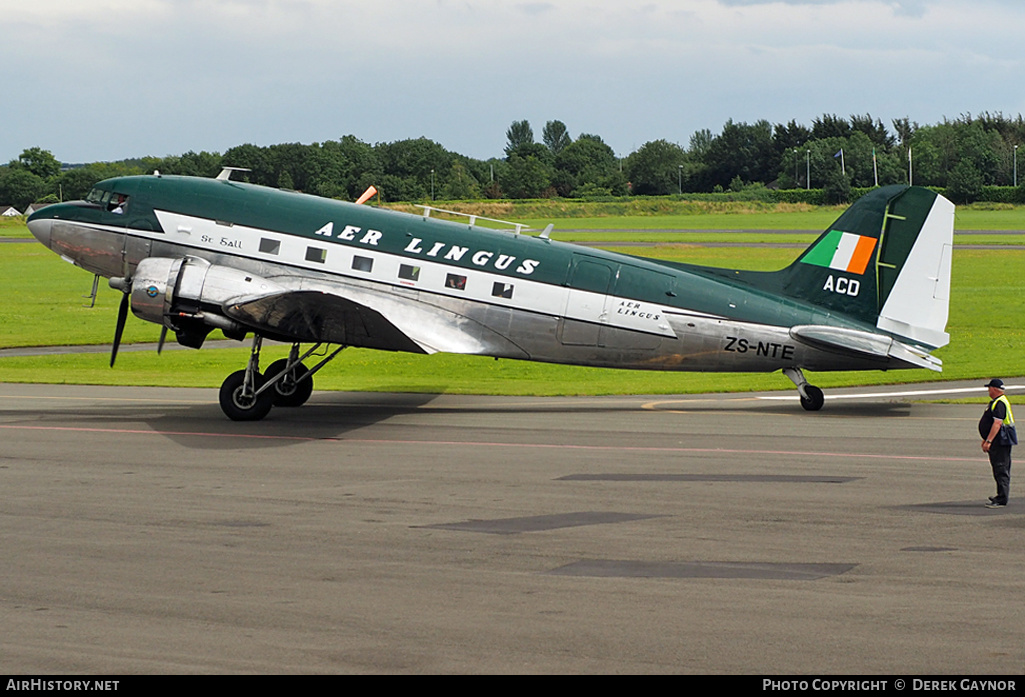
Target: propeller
[125,286]
[122,315]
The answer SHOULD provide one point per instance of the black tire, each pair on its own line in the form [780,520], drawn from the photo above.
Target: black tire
[239,408]
[815,398]
[288,392]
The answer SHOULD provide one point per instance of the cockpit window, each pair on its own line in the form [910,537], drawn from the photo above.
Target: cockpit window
[118,203]
[110,201]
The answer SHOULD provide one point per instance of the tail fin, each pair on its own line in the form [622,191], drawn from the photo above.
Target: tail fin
[885,262]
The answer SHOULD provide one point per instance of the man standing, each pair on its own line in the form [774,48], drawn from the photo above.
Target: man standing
[996,441]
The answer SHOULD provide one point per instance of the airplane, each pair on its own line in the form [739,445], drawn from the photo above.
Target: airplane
[196,254]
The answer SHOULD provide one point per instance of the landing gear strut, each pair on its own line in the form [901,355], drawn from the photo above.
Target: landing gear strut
[295,384]
[248,395]
[812,398]
[242,395]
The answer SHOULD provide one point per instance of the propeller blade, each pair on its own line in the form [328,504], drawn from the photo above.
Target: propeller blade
[122,315]
[163,335]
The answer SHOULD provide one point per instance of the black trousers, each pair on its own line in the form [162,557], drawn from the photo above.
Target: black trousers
[1000,460]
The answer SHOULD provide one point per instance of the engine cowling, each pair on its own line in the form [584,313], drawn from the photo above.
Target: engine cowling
[185,294]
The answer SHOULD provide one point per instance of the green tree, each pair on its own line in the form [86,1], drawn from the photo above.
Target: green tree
[654,168]
[874,129]
[39,162]
[393,188]
[925,167]
[519,134]
[980,146]
[19,187]
[700,142]
[965,182]
[793,173]
[905,129]
[741,150]
[459,183]
[354,164]
[415,161]
[192,164]
[793,135]
[528,177]
[556,136]
[497,169]
[838,188]
[253,158]
[830,126]
[938,149]
[592,166]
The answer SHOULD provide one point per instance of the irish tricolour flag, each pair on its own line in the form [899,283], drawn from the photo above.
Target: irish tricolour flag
[842,251]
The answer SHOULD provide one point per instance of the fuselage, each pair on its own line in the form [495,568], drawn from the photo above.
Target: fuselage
[450,286]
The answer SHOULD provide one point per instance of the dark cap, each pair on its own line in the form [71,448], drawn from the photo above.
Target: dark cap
[995,382]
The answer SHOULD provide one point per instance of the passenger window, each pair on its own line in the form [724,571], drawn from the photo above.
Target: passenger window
[362,264]
[455,281]
[270,246]
[502,290]
[410,273]
[316,254]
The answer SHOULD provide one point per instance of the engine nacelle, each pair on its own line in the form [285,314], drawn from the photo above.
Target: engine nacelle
[185,294]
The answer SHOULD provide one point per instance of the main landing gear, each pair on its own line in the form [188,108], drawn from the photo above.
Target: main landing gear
[812,398]
[248,395]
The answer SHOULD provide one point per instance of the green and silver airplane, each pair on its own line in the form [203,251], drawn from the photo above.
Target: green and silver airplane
[194,254]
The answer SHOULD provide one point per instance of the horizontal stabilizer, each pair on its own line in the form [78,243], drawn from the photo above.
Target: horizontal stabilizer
[863,344]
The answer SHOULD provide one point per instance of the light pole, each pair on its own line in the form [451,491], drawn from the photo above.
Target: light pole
[796,183]
[679,172]
[1016,165]
[432,183]
[807,171]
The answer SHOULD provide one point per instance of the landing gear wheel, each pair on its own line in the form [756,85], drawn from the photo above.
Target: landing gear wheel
[815,399]
[239,406]
[288,392]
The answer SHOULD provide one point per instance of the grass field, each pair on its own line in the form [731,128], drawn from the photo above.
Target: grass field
[43,305]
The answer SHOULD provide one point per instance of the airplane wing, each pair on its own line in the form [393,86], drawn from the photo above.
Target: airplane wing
[863,344]
[367,319]
[315,316]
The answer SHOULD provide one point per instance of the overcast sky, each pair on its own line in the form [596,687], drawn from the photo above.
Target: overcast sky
[110,79]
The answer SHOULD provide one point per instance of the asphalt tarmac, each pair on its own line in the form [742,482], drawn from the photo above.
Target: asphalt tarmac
[386,533]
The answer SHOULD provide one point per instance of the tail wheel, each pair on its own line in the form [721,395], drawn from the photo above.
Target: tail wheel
[287,391]
[238,404]
[814,400]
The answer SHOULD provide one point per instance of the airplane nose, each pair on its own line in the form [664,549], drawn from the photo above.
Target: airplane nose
[40,229]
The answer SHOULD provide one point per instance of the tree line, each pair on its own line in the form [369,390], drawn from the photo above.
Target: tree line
[963,156]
